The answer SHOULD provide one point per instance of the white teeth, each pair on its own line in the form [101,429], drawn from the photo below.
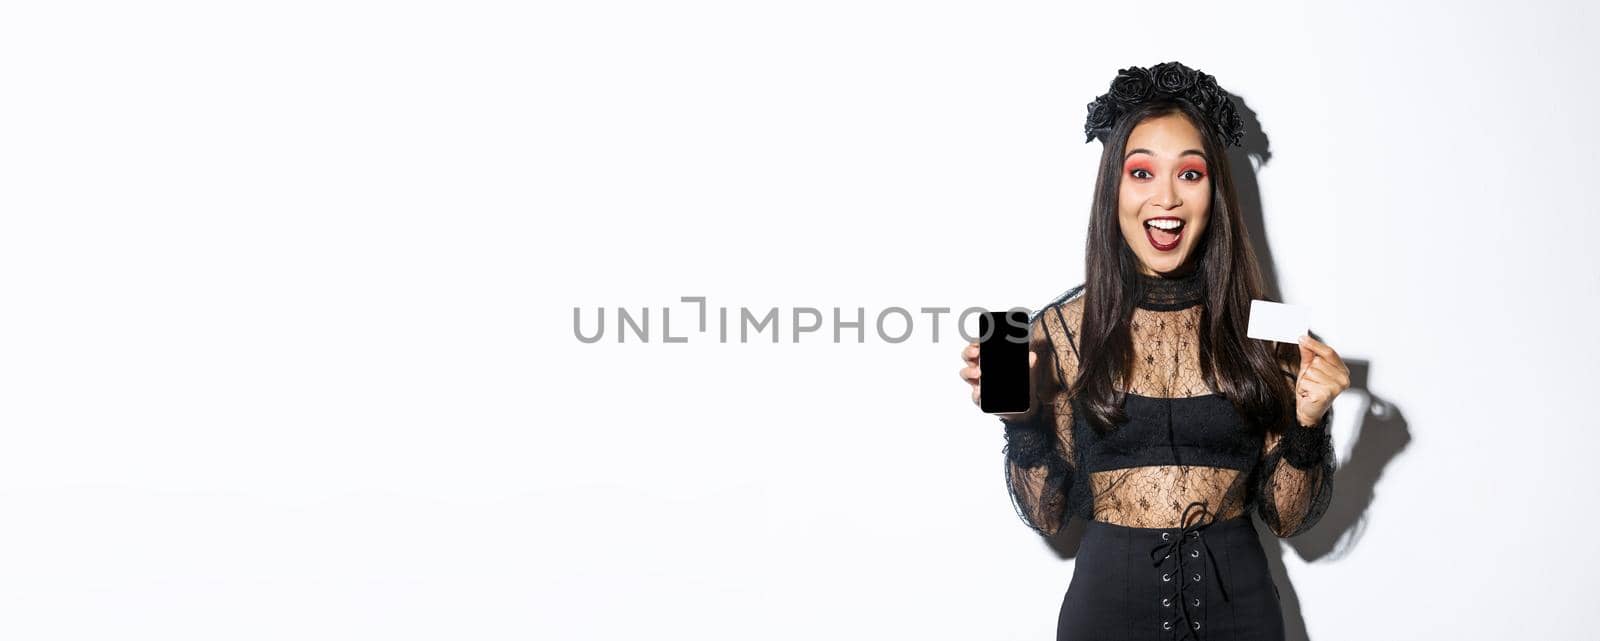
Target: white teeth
[1165,223]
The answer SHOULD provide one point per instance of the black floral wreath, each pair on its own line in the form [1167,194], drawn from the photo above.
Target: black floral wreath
[1135,85]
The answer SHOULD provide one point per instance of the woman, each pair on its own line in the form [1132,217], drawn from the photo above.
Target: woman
[1154,418]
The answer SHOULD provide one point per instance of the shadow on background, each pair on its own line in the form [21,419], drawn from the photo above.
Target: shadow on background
[1379,436]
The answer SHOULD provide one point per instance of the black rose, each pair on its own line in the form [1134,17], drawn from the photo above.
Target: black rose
[1205,92]
[1131,85]
[1102,112]
[1226,119]
[1235,127]
[1172,77]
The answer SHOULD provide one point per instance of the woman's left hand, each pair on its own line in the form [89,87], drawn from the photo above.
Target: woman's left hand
[1323,376]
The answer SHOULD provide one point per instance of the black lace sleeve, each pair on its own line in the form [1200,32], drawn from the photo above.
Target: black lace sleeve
[1039,448]
[1296,477]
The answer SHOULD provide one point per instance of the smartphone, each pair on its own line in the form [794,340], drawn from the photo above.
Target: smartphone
[1003,357]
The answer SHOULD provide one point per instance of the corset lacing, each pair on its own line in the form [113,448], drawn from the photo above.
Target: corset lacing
[1189,568]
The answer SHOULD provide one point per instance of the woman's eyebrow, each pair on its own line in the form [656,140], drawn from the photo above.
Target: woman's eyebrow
[1186,152]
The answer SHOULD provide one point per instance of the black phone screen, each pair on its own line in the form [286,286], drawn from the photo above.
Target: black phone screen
[1003,360]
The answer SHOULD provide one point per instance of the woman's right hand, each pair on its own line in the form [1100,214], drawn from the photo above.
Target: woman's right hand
[973,374]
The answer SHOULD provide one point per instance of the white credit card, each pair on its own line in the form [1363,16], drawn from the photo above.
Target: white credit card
[1281,322]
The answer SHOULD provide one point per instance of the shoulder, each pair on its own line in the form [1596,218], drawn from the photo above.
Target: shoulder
[1067,306]
[1063,316]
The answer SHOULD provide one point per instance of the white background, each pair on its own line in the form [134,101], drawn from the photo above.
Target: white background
[288,290]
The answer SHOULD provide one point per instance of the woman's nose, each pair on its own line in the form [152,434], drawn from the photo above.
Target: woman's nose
[1167,195]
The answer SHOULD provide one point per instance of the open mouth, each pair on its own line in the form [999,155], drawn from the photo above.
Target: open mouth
[1164,232]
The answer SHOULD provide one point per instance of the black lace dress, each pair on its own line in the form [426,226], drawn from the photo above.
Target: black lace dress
[1168,550]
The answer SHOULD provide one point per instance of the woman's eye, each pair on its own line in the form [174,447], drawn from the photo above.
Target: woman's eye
[1197,174]
[1135,173]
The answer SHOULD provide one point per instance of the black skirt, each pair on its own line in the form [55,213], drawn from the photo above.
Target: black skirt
[1208,581]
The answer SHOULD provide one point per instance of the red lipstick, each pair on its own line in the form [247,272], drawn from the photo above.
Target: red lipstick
[1171,237]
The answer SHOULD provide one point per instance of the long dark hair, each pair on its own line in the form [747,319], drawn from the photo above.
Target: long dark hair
[1245,371]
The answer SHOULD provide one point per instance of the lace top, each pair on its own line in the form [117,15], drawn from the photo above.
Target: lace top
[1182,443]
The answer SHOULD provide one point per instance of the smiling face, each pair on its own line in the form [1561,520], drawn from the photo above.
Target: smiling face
[1165,199]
